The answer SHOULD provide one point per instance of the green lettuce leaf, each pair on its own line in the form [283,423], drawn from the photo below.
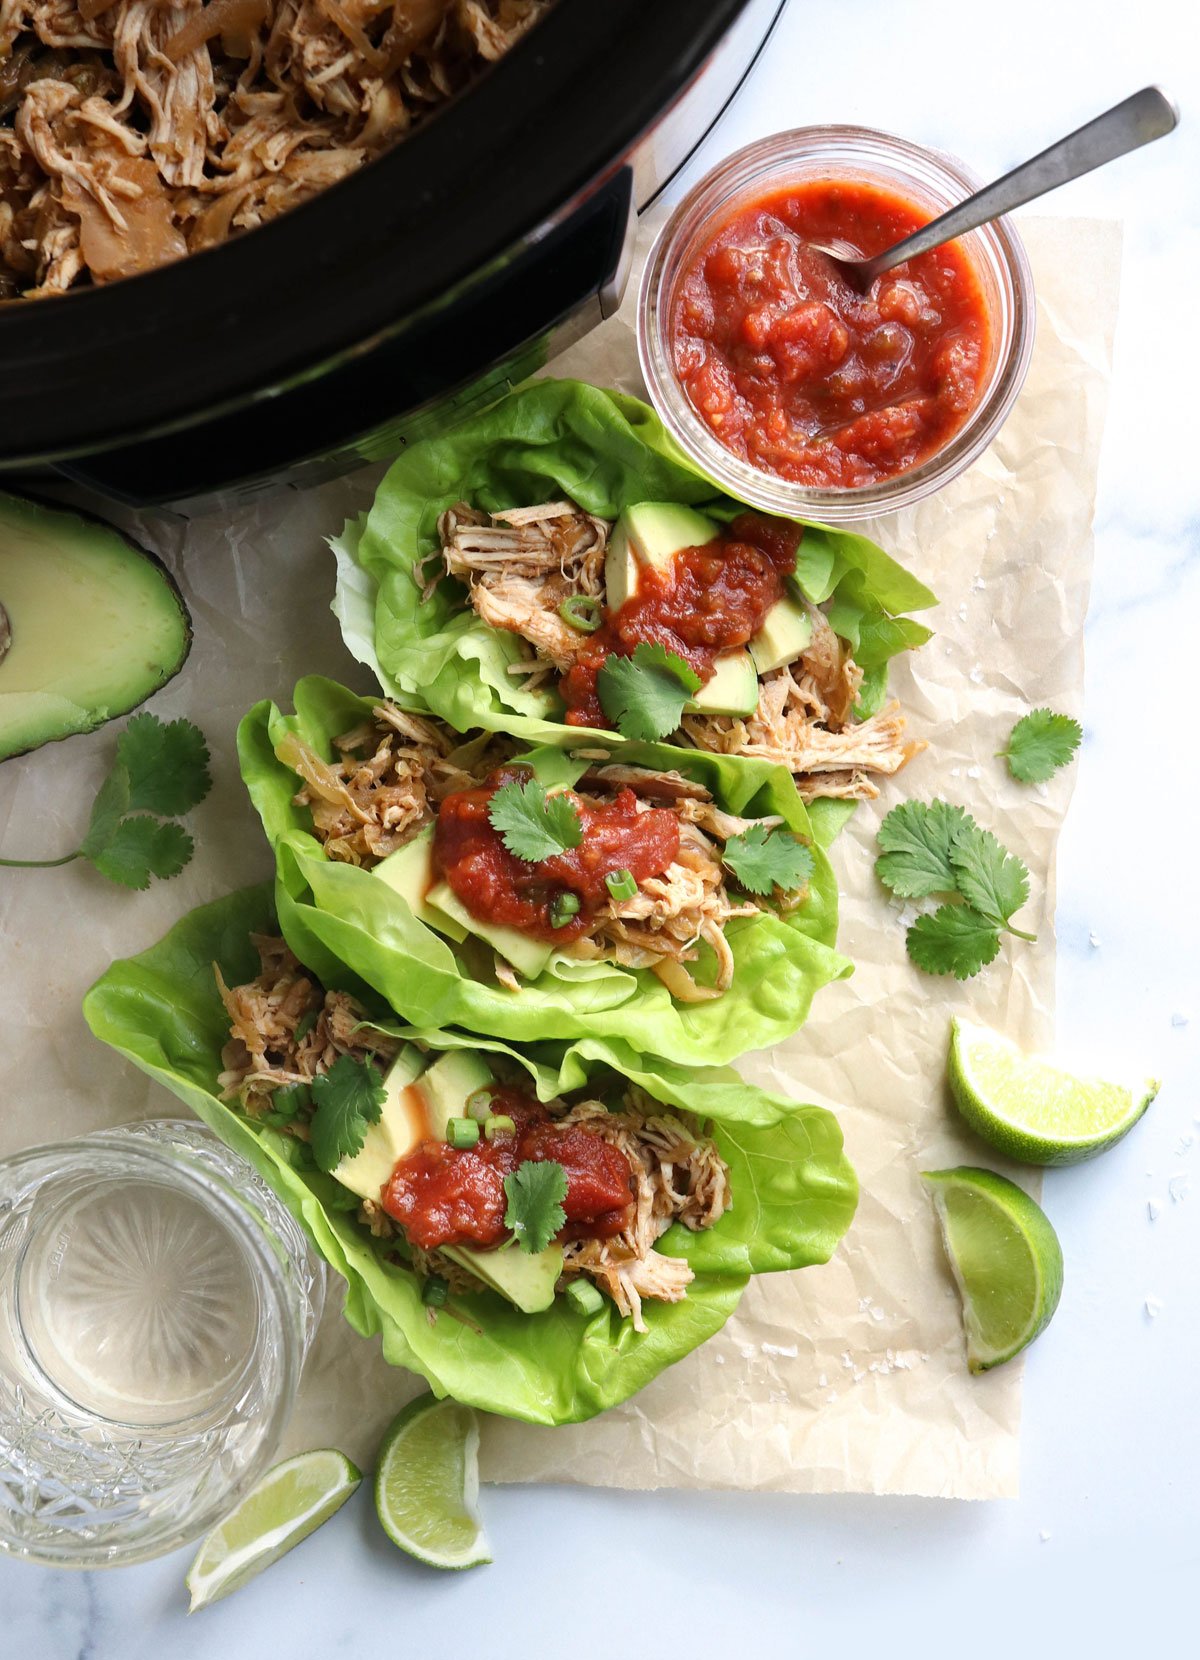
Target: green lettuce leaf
[606,451]
[333,913]
[794,1191]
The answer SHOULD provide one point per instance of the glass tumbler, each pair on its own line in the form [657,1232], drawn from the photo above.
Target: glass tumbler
[156,1304]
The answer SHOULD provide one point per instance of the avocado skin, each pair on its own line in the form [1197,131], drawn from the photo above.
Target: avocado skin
[79,517]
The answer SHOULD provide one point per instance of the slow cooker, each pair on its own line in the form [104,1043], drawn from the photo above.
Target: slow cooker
[419,287]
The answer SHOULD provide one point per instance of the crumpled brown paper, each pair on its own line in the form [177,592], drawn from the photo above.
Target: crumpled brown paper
[847,1378]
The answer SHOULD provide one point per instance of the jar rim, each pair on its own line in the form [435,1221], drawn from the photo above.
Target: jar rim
[996,249]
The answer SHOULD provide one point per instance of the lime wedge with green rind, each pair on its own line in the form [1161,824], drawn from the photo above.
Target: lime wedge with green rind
[1032,1110]
[290,1502]
[427,1484]
[1005,1258]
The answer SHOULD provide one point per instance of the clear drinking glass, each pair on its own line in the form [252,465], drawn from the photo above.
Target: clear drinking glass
[156,1305]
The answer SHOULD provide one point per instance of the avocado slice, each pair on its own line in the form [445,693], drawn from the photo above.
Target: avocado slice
[528,956]
[95,625]
[785,634]
[403,1124]
[409,873]
[650,533]
[521,1277]
[733,688]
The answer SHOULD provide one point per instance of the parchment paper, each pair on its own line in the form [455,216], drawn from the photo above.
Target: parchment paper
[847,1378]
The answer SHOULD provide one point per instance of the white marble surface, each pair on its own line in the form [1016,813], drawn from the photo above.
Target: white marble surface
[1100,1553]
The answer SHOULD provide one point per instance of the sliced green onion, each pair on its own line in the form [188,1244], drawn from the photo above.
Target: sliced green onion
[306,1023]
[435,1291]
[584,1297]
[479,1105]
[290,1100]
[499,1124]
[582,611]
[620,884]
[462,1132]
[565,906]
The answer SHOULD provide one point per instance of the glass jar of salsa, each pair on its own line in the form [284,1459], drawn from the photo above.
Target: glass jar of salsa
[787,388]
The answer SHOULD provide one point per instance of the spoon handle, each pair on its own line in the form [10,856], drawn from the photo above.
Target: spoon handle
[1149,114]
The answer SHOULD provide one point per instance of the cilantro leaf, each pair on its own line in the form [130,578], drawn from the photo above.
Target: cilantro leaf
[1040,743]
[167,764]
[917,838]
[108,809]
[954,939]
[990,878]
[644,695]
[535,1192]
[348,1098]
[140,848]
[763,860]
[532,825]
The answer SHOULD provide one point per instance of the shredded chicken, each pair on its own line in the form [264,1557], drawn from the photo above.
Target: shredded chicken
[285,1028]
[392,773]
[520,566]
[135,131]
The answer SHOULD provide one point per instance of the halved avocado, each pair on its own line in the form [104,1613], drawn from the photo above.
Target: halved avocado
[95,625]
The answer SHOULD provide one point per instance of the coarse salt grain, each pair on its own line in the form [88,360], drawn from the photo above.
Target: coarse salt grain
[1153,1307]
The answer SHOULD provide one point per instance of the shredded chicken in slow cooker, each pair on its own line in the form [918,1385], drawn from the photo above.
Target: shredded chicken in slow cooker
[133,132]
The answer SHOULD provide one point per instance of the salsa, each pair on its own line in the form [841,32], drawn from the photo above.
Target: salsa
[704,601]
[497,887]
[795,372]
[443,1195]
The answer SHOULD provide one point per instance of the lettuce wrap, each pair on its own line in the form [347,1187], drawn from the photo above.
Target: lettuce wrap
[334,914]
[604,451]
[794,1192]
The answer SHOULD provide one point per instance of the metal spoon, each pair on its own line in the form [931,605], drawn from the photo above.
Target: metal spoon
[1149,114]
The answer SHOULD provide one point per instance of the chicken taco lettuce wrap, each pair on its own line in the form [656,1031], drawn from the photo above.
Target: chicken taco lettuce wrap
[555,559]
[538,1232]
[672,899]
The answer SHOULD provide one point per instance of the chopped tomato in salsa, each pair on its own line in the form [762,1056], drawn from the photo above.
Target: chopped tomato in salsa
[799,375]
[706,600]
[495,886]
[443,1195]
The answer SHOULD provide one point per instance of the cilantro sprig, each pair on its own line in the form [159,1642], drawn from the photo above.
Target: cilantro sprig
[763,860]
[535,1192]
[644,695]
[933,848]
[533,825]
[1040,743]
[347,1100]
[160,772]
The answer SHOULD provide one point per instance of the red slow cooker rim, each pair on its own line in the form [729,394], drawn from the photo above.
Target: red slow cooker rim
[232,323]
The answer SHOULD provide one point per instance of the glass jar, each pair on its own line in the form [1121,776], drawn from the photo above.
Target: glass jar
[925,177]
[156,1305]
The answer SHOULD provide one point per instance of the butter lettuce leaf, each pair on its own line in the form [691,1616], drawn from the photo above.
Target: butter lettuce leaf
[794,1191]
[548,439]
[334,913]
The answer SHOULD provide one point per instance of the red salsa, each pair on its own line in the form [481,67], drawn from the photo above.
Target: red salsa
[495,886]
[705,601]
[799,375]
[443,1195]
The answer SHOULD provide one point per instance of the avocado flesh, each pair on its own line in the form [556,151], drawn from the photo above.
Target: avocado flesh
[96,625]
[403,1125]
[409,873]
[786,634]
[522,1278]
[650,533]
[732,689]
[528,956]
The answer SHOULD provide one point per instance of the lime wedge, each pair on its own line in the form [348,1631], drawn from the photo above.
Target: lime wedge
[427,1484]
[288,1504]
[1005,1257]
[1032,1110]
